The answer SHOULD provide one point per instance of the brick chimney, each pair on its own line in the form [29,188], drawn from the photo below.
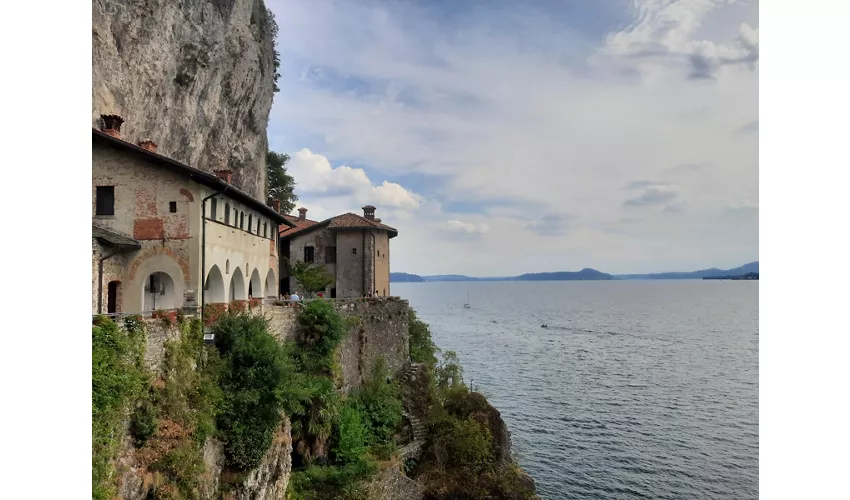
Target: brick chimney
[112,125]
[276,205]
[148,145]
[225,174]
[302,213]
[369,212]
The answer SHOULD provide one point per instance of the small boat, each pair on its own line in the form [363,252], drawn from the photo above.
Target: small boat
[467,306]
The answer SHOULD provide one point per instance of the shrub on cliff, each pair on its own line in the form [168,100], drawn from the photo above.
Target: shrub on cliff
[352,436]
[117,380]
[321,329]
[379,401]
[422,348]
[254,379]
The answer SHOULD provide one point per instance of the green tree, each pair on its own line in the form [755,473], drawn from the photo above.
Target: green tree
[311,278]
[449,372]
[422,348]
[280,185]
[352,436]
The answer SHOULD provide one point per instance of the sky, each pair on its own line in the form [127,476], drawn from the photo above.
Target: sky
[505,137]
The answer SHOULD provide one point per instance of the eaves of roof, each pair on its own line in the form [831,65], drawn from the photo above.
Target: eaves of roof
[196,175]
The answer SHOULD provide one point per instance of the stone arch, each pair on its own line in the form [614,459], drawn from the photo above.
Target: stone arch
[168,283]
[255,286]
[237,286]
[271,285]
[214,287]
[188,194]
[155,253]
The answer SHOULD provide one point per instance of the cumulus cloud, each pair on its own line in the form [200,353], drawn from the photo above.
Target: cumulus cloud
[315,176]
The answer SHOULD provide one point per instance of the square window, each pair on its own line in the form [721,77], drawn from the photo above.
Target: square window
[353,251]
[172,206]
[105,200]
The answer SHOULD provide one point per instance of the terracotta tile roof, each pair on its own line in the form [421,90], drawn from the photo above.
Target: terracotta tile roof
[344,221]
[299,224]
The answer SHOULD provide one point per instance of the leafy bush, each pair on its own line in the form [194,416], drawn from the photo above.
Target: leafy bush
[449,373]
[331,482]
[117,380]
[379,402]
[321,330]
[468,444]
[253,374]
[422,348]
[184,466]
[352,436]
[311,277]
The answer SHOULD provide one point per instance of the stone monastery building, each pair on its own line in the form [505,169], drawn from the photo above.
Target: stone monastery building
[160,227]
[354,249]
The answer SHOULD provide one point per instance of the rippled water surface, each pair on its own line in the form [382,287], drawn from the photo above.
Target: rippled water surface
[637,389]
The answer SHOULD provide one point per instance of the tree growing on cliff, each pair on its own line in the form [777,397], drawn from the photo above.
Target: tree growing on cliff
[280,185]
[311,278]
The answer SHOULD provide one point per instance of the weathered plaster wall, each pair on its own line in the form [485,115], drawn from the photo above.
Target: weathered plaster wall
[382,263]
[169,240]
[353,248]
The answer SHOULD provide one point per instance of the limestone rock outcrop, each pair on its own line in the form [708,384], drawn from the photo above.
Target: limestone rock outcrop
[195,76]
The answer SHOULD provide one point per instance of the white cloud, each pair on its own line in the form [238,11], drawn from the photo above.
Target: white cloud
[536,117]
[467,227]
[314,176]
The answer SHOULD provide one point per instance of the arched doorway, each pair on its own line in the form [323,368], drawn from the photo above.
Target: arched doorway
[255,286]
[159,292]
[214,287]
[237,286]
[271,285]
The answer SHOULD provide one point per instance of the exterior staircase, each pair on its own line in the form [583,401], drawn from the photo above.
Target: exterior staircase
[420,433]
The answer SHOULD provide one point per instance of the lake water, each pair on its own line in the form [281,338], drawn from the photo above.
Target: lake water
[637,389]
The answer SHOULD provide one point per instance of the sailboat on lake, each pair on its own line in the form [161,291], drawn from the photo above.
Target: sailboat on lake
[467,306]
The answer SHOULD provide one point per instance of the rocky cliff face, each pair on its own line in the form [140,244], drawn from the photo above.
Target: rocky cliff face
[194,76]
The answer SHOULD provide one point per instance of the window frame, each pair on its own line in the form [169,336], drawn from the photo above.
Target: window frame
[100,201]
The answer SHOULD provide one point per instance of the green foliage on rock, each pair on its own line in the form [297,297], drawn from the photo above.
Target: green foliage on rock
[344,482]
[321,330]
[449,373]
[352,436]
[254,376]
[117,381]
[311,277]
[379,402]
[422,348]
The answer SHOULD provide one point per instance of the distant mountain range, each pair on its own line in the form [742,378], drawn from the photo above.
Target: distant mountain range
[586,274]
[752,267]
